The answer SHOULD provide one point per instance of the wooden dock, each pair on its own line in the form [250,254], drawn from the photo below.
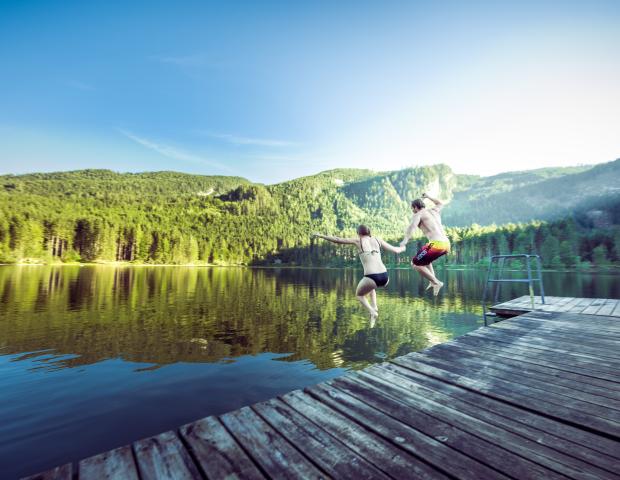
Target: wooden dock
[533,397]
[585,306]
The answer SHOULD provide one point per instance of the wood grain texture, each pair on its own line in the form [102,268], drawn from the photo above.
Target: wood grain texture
[63,472]
[117,464]
[275,455]
[217,452]
[164,456]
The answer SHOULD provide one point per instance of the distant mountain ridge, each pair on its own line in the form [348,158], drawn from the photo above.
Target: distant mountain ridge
[538,194]
[170,217]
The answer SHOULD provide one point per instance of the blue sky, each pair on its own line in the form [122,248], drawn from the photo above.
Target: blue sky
[274,90]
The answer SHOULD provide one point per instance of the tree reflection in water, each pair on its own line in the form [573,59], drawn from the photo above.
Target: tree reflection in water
[163,315]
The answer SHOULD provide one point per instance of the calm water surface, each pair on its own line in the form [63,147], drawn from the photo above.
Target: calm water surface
[95,357]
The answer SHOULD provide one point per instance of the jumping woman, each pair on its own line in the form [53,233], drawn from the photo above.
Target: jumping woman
[375,273]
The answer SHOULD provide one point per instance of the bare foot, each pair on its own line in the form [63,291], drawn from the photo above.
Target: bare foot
[436,288]
[429,286]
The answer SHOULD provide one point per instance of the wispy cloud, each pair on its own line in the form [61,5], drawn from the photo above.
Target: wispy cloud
[260,142]
[172,152]
[80,85]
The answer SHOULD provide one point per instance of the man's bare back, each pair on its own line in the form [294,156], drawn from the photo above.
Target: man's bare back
[430,224]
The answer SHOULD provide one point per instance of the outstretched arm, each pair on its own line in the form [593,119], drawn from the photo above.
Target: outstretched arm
[415,221]
[438,203]
[329,238]
[390,248]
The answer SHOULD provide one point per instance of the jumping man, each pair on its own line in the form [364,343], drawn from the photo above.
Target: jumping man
[429,221]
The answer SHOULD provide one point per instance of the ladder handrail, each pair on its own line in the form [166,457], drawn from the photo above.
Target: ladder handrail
[501,262]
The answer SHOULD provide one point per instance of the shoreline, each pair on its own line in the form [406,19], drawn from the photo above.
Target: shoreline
[610,269]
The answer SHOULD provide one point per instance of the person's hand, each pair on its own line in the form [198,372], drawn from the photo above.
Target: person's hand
[316,234]
[401,249]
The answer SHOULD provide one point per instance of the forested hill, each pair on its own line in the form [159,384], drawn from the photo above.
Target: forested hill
[168,217]
[538,194]
[113,186]
[175,218]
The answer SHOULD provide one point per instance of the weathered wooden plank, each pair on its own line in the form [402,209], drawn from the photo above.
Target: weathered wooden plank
[549,300]
[616,311]
[523,305]
[582,305]
[327,452]
[601,319]
[594,307]
[608,308]
[268,448]
[496,447]
[505,451]
[537,345]
[217,452]
[540,372]
[577,364]
[566,306]
[481,366]
[553,304]
[531,388]
[534,340]
[582,370]
[524,301]
[594,329]
[530,343]
[544,402]
[423,445]
[577,317]
[117,464]
[602,339]
[164,456]
[63,472]
[606,377]
[587,446]
[517,304]
[383,454]
[606,346]
[515,301]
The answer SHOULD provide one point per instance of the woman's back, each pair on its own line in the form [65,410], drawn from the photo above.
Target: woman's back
[370,255]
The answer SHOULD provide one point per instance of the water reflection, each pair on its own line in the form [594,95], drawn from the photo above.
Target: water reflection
[165,315]
[95,357]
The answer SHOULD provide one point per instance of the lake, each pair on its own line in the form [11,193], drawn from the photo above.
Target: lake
[95,357]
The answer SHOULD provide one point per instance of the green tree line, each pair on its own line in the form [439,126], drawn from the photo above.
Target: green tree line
[170,218]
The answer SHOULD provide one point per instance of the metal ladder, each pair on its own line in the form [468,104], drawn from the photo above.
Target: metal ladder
[500,261]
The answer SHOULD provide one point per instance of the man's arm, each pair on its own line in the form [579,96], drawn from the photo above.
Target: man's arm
[415,221]
[438,203]
[344,241]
